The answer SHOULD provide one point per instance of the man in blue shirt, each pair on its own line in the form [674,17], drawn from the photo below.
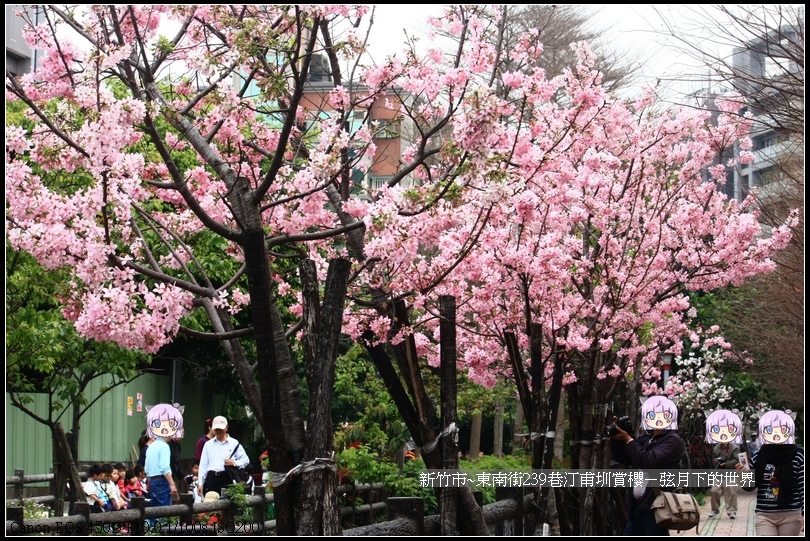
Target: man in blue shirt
[159,472]
[218,452]
[164,422]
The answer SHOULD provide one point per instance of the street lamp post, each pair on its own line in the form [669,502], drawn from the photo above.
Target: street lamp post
[666,363]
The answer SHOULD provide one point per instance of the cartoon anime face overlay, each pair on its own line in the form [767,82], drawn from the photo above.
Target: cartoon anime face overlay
[164,421]
[776,427]
[659,419]
[724,426]
[659,413]
[722,434]
[165,428]
[776,433]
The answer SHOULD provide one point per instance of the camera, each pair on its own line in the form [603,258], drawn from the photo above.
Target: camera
[618,451]
[622,422]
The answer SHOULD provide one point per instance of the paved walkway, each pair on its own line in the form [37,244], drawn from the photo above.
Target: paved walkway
[721,525]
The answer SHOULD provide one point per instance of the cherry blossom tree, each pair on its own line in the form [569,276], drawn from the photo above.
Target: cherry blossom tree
[172,175]
[596,223]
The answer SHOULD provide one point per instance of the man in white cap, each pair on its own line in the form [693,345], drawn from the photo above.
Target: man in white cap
[218,452]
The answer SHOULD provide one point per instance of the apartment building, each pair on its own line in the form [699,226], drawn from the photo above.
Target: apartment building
[384,116]
[20,58]
[766,72]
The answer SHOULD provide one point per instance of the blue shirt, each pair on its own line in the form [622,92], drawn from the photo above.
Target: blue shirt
[215,453]
[158,459]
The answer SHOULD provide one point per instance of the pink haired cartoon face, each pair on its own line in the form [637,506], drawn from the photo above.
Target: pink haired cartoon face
[164,421]
[776,427]
[659,413]
[164,428]
[723,426]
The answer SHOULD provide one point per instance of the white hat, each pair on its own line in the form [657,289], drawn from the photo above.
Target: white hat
[211,496]
[219,422]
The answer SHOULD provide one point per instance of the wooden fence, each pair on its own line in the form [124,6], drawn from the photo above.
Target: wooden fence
[509,515]
[369,504]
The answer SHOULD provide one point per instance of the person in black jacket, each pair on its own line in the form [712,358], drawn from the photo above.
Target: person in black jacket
[143,442]
[778,477]
[659,448]
[176,466]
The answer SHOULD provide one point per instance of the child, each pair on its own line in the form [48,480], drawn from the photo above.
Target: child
[111,487]
[118,482]
[141,475]
[209,519]
[192,479]
[94,490]
[132,487]
[121,473]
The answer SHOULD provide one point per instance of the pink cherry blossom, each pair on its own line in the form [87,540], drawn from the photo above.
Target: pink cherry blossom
[567,207]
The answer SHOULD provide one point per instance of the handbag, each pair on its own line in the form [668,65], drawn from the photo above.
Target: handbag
[237,475]
[676,510]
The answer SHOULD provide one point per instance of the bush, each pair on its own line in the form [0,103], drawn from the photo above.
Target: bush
[237,494]
[362,465]
[33,509]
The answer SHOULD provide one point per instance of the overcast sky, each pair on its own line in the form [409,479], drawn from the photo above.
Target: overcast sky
[627,27]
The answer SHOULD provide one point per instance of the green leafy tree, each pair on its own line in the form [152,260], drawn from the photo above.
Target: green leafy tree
[45,354]
[364,407]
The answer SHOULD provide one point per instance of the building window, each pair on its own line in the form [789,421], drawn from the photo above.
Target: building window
[17,65]
[764,141]
[386,128]
[377,182]
[761,177]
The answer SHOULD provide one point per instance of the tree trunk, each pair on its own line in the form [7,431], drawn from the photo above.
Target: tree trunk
[60,478]
[277,404]
[559,437]
[498,435]
[475,435]
[531,391]
[588,413]
[65,470]
[319,513]
[73,438]
[517,429]
[542,494]
[447,350]
[418,412]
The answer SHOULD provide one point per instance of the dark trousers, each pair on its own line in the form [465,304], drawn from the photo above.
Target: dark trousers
[643,523]
[161,495]
[215,481]
[160,491]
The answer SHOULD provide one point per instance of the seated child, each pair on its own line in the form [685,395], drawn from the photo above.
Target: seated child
[132,487]
[192,481]
[94,491]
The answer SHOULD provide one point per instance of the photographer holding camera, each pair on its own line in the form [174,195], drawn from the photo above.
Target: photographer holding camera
[661,447]
[618,454]
[724,429]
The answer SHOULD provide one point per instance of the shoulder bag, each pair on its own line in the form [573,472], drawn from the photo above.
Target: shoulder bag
[237,475]
[675,510]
